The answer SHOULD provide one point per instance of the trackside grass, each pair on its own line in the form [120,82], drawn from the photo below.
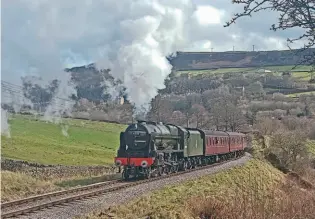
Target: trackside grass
[18,185]
[241,190]
[88,143]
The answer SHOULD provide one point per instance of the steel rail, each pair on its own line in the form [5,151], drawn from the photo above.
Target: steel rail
[58,193]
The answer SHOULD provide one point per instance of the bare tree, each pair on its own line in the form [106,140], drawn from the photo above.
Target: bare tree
[289,146]
[160,109]
[226,115]
[236,118]
[178,118]
[126,113]
[200,114]
[292,14]
[215,114]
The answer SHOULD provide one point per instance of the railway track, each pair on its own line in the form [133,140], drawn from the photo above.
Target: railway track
[36,203]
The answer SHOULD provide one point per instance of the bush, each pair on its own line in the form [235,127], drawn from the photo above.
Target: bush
[290,147]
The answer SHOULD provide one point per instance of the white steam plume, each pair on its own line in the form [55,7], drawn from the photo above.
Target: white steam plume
[31,46]
[151,31]
[131,37]
[5,128]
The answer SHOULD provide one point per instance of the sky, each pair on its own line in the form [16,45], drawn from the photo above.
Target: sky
[132,37]
[76,29]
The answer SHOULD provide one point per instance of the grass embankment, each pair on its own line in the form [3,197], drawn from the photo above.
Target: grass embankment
[256,190]
[17,185]
[88,143]
[311,147]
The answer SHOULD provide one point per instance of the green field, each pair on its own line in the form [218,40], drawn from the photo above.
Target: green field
[302,76]
[88,143]
[299,72]
[303,93]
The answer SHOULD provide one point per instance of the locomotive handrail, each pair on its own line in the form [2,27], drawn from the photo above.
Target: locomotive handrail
[166,136]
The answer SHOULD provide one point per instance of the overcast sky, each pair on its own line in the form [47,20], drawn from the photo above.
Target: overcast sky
[50,34]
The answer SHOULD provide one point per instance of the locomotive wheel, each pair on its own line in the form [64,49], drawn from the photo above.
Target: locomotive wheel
[189,164]
[185,165]
[193,164]
[147,176]
[160,171]
[148,173]
[176,168]
[167,170]
[126,175]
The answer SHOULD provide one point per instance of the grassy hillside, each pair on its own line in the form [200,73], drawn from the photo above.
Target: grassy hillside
[298,72]
[88,143]
[237,59]
[302,93]
[249,189]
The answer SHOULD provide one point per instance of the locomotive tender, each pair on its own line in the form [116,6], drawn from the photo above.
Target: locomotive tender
[152,149]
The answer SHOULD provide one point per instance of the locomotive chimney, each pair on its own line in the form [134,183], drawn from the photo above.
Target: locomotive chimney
[141,121]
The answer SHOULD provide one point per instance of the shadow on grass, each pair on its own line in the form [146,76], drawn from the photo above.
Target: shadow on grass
[88,181]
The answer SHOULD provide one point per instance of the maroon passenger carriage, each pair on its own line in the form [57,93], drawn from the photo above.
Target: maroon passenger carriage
[217,142]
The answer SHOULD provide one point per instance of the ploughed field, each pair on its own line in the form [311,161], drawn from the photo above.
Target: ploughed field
[87,143]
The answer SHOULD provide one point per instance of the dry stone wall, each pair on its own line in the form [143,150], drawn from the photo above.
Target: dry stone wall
[47,172]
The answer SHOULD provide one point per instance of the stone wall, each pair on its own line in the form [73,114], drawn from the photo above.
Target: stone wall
[47,172]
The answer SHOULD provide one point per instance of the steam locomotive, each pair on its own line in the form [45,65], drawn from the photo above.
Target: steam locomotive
[149,149]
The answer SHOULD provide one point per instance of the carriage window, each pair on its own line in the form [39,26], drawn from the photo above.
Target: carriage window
[216,140]
[209,141]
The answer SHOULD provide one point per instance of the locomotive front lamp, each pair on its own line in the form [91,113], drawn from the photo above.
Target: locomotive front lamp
[144,163]
[118,163]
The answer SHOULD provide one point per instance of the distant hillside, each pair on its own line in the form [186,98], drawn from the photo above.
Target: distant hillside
[89,85]
[214,60]
[237,59]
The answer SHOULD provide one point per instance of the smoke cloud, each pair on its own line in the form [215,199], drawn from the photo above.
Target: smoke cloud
[5,128]
[131,37]
[148,33]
